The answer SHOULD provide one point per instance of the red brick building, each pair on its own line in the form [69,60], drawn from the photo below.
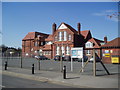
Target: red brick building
[91,44]
[59,42]
[111,50]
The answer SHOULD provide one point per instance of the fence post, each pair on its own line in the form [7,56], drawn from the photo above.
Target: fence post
[5,65]
[94,63]
[32,68]
[64,72]
[39,64]
[21,62]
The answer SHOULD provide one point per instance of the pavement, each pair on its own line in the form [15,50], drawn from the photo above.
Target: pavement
[73,79]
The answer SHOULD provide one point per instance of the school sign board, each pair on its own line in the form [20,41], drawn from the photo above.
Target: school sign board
[77,52]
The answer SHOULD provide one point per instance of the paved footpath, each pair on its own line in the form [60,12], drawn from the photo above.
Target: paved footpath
[78,80]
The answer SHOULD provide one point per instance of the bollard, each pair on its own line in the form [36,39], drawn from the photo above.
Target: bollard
[5,65]
[64,72]
[32,68]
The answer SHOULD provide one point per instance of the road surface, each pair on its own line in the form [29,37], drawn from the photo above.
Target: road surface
[15,82]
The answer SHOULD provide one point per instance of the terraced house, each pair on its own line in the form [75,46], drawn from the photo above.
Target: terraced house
[63,38]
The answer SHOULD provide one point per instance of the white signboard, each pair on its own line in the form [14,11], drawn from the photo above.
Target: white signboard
[77,52]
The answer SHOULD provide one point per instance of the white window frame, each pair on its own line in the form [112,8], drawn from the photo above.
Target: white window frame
[88,52]
[65,36]
[69,37]
[89,45]
[41,43]
[57,50]
[60,36]
[63,49]
[67,50]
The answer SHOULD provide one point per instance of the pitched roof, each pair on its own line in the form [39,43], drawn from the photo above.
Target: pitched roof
[32,35]
[85,33]
[113,43]
[49,38]
[96,42]
[71,28]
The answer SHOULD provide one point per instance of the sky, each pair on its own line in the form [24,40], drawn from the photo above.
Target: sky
[19,18]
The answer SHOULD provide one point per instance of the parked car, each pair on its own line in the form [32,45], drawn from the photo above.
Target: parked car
[96,58]
[57,58]
[67,58]
[85,58]
[41,57]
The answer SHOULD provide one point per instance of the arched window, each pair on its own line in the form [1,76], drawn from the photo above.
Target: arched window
[89,45]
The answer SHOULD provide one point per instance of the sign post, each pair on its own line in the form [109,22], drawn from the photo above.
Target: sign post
[76,53]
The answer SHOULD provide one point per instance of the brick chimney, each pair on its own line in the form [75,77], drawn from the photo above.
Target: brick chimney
[79,27]
[53,28]
[105,39]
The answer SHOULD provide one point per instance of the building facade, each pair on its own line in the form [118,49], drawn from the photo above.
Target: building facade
[111,51]
[59,42]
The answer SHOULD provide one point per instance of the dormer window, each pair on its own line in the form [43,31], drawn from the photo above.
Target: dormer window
[89,45]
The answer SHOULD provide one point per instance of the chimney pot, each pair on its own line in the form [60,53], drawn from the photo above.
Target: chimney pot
[105,39]
[54,28]
[79,27]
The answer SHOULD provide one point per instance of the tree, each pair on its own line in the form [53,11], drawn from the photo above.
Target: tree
[3,48]
[114,15]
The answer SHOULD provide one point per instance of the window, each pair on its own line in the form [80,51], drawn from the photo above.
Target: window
[69,37]
[49,53]
[49,43]
[89,45]
[42,43]
[36,44]
[65,36]
[67,50]
[26,54]
[44,53]
[63,49]
[55,38]
[88,52]
[32,49]
[60,36]
[57,50]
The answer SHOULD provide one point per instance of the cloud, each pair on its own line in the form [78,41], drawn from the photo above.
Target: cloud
[109,11]
[99,14]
